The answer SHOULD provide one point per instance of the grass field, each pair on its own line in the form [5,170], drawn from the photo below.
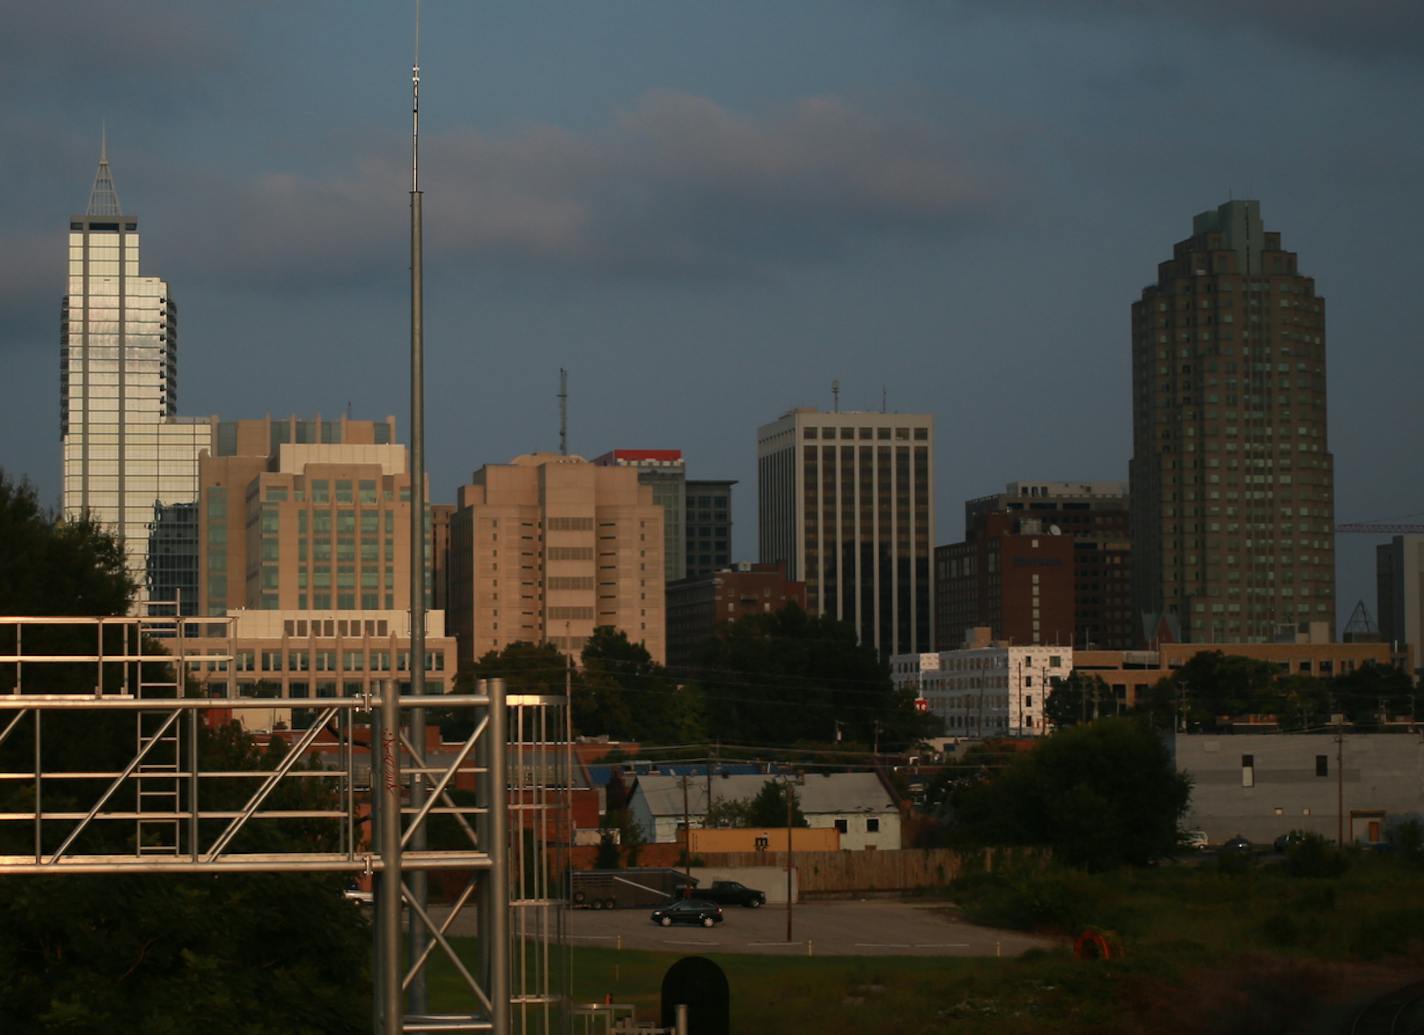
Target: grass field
[1206,951]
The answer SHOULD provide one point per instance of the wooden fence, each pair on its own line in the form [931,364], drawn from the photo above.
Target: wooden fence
[838,873]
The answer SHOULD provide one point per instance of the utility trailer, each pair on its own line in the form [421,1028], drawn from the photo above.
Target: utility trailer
[628,889]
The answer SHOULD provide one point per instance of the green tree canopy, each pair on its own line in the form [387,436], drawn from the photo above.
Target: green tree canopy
[1080,698]
[1099,795]
[773,678]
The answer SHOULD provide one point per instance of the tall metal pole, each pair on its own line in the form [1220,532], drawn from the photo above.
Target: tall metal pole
[418,532]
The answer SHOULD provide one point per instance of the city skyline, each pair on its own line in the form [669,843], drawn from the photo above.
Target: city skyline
[719,269]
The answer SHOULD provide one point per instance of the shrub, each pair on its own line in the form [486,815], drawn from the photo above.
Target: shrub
[1313,856]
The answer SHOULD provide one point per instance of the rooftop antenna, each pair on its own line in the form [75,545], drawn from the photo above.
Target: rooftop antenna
[103,198]
[836,396]
[882,398]
[563,412]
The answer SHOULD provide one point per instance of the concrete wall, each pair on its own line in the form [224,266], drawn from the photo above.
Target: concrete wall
[1382,779]
[766,879]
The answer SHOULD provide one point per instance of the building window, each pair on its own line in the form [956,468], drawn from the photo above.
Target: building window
[1248,770]
[841,825]
[872,826]
[1322,765]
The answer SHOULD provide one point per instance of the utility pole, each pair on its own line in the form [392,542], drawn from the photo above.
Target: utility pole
[1340,781]
[790,810]
[1019,688]
[707,819]
[686,832]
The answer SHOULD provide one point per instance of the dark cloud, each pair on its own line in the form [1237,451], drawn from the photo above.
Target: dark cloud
[80,42]
[676,183]
[1368,29]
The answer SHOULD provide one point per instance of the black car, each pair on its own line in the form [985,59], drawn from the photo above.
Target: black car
[1289,840]
[1238,845]
[688,911]
[732,893]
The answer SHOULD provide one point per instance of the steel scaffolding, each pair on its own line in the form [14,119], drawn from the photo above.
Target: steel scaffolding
[166,808]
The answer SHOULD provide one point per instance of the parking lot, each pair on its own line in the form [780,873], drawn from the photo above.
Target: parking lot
[872,927]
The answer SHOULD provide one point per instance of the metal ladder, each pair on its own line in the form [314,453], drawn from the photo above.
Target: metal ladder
[158,779]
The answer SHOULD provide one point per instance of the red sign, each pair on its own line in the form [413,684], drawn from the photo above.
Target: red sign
[921,705]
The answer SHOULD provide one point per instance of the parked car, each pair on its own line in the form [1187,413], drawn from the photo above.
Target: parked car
[732,893]
[1195,840]
[688,911]
[1238,845]
[1289,839]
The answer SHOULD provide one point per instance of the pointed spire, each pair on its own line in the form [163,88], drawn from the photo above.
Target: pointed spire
[103,198]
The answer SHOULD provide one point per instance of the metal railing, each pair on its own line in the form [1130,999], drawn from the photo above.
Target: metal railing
[177,798]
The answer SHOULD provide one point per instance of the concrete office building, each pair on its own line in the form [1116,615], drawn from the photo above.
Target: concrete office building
[129,461]
[1400,577]
[1094,516]
[846,501]
[1013,575]
[664,472]
[1263,786]
[709,527]
[300,658]
[546,548]
[305,514]
[986,688]
[697,606]
[1231,474]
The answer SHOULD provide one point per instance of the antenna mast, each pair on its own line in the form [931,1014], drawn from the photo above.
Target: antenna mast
[563,412]
[389,986]
[836,396]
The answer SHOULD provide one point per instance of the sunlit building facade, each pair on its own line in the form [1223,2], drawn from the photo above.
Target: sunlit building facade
[128,460]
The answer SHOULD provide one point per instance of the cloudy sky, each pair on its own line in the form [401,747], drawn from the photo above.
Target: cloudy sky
[707,212]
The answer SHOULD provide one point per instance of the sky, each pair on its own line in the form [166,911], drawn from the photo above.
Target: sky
[709,212]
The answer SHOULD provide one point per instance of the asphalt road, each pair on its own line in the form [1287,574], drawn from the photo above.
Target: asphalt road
[872,927]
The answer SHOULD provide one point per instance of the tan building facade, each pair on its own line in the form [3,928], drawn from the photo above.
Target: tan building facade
[548,547]
[1128,673]
[299,514]
[299,658]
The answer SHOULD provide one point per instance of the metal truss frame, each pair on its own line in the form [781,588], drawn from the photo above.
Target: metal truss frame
[155,813]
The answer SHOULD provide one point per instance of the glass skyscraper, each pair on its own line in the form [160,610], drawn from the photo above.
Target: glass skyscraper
[127,457]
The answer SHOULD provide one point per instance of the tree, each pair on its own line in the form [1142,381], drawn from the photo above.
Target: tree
[1099,795]
[626,694]
[1079,698]
[769,678]
[228,955]
[768,808]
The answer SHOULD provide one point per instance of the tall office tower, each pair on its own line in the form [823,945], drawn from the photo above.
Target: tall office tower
[1399,576]
[1232,477]
[129,462]
[1094,516]
[709,527]
[846,499]
[303,515]
[664,472]
[547,548]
